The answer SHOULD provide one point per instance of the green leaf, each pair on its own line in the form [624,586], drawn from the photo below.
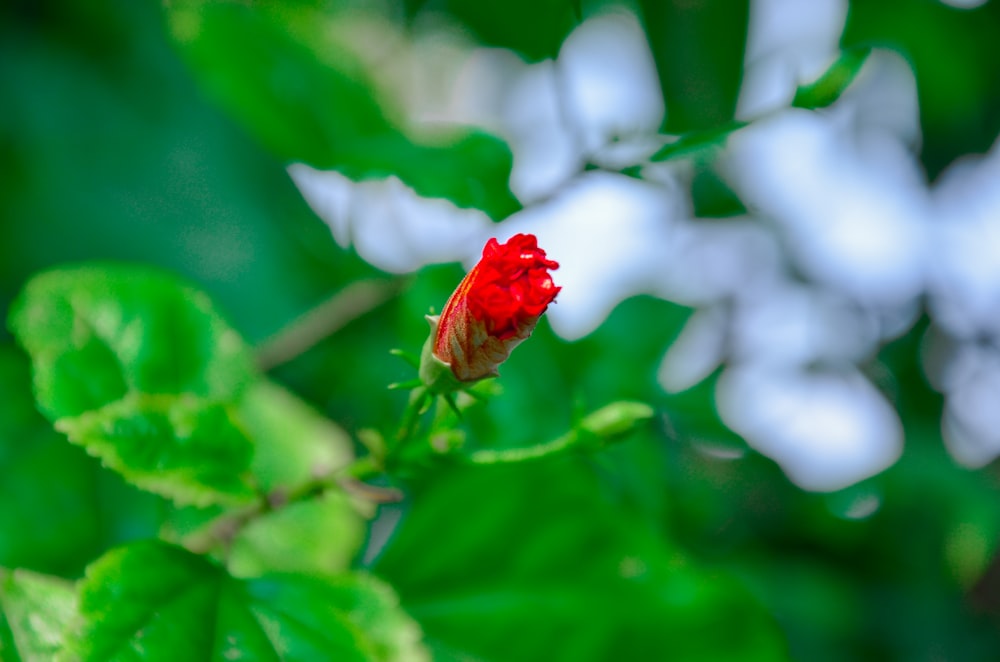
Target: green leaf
[98,332]
[534,28]
[698,48]
[827,88]
[140,370]
[697,142]
[293,443]
[306,99]
[318,536]
[819,94]
[34,610]
[152,601]
[355,603]
[581,544]
[185,448]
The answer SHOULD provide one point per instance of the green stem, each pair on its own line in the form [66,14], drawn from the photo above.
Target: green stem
[325,319]
[361,469]
[419,398]
[547,450]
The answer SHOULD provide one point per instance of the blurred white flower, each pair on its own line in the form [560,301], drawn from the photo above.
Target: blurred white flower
[610,83]
[853,214]
[389,225]
[971,423]
[965,272]
[964,4]
[843,192]
[797,325]
[789,42]
[554,116]
[962,350]
[697,351]
[827,430]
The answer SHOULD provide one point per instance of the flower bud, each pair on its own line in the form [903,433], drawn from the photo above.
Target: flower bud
[494,308]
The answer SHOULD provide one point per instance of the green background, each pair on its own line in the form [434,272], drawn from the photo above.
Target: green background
[119,143]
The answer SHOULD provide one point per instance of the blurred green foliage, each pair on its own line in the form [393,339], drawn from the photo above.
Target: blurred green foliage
[698,48]
[159,134]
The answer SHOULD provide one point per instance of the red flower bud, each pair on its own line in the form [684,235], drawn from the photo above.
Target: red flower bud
[494,308]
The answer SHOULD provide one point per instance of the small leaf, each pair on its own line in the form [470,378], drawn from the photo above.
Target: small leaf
[98,332]
[34,609]
[697,141]
[182,447]
[152,601]
[293,442]
[827,88]
[318,536]
[356,603]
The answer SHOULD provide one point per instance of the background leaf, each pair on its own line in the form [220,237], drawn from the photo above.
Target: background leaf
[293,443]
[579,570]
[320,536]
[307,105]
[698,49]
[152,601]
[533,28]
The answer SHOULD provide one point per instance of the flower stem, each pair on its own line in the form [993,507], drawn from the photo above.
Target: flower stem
[330,316]
[420,397]
[526,454]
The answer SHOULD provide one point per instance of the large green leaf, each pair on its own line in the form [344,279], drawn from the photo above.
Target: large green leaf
[533,28]
[152,601]
[141,371]
[34,610]
[184,447]
[98,332]
[586,568]
[698,48]
[307,100]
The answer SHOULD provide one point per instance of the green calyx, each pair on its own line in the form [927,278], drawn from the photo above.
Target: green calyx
[435,374]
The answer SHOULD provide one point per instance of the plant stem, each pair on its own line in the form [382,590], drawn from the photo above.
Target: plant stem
[306,331]
[526,454]
[419,398]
